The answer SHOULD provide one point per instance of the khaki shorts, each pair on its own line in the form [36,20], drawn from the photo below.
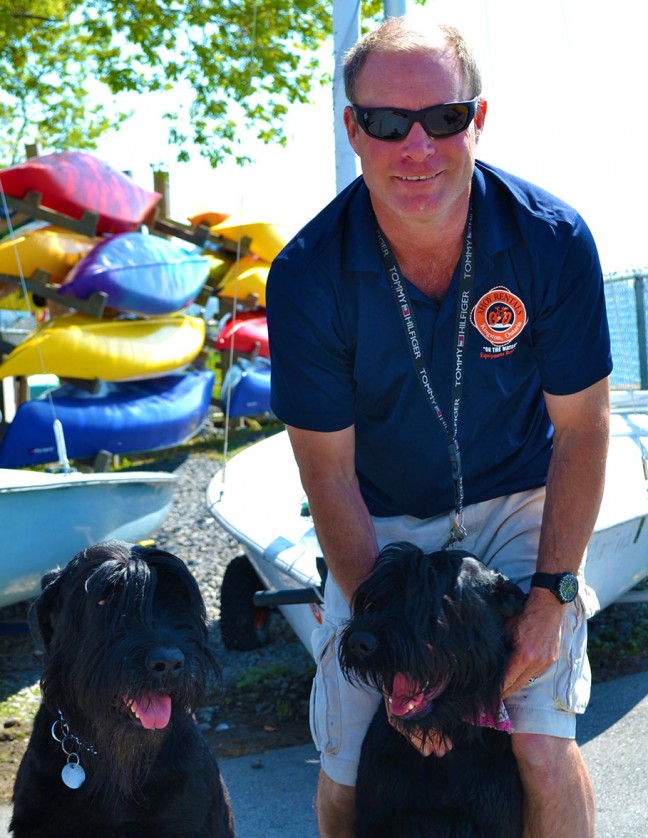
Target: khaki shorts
[504,534]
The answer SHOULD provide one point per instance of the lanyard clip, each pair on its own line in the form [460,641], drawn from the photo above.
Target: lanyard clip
[455,459]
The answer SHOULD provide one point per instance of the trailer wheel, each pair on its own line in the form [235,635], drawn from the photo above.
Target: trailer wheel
[243,625]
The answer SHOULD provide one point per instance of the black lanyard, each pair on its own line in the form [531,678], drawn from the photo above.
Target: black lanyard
[399,290]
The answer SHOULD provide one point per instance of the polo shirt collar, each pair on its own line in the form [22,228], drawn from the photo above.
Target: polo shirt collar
[495,229]
[360,246]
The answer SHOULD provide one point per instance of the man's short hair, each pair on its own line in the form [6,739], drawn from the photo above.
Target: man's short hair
[397,34]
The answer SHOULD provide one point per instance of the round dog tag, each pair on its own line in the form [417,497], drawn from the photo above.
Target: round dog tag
[73,775]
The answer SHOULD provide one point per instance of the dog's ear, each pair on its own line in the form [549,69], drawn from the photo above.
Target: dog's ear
[510,597]
[43,612]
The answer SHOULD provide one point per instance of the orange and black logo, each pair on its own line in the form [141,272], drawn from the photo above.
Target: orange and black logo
[499,316]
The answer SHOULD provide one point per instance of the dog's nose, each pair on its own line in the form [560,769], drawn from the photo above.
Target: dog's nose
[363,643]
[165,662]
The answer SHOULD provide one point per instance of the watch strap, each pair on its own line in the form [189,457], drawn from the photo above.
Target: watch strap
[545,580]
[555,582]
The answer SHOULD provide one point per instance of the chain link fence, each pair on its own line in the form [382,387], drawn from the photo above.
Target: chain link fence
[627,302]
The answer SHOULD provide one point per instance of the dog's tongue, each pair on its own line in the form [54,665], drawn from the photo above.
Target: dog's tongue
[406,697]
[152,709]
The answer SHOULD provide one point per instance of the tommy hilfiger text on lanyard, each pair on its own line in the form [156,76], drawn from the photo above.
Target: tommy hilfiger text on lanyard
[401,296]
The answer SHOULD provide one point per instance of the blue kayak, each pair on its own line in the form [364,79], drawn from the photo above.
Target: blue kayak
[247,386]
[140,273]
[122,418]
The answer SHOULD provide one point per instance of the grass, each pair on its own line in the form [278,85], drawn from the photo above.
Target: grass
[21,705]
[618,641]
[209,443]
[282,689]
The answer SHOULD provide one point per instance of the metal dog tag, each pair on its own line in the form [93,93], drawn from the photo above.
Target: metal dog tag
[73,775]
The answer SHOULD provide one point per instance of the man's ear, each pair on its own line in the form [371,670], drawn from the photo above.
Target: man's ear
[352,128]
[480,118]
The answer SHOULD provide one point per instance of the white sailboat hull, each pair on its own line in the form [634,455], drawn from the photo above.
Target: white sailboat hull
[45,519]
[258,500]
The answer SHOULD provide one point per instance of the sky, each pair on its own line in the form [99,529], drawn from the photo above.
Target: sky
[565,82]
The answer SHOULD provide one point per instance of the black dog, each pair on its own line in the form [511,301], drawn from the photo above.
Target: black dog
[115,750]
[430,633]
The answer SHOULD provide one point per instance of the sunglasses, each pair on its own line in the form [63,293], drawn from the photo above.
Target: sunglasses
[438,121]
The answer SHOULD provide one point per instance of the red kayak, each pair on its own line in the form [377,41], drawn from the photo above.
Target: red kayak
[249,332]
[72,182]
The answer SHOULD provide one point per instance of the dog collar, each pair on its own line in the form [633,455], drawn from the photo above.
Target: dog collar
[73,775]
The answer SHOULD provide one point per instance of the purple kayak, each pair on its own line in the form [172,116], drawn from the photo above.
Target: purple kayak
[141,273]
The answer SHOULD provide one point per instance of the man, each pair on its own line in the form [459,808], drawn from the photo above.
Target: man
[440,354]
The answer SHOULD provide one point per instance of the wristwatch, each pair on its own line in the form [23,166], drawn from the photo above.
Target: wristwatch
[564,586]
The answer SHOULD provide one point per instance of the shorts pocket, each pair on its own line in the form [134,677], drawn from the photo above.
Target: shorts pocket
[325,722]
[573,682]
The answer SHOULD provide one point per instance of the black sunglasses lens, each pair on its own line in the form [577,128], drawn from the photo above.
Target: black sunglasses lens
[438,121]
[446,120]
[386,124]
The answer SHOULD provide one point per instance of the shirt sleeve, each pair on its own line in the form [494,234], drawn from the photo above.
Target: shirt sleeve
[311,360]
[570,334]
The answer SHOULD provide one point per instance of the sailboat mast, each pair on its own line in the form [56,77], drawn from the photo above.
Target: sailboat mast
[346,30]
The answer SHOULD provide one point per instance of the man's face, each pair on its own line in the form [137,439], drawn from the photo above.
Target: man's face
[418,178]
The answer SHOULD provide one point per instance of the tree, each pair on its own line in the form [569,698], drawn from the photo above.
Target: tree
[242,63]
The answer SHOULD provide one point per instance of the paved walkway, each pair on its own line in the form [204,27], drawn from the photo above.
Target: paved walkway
[272,793]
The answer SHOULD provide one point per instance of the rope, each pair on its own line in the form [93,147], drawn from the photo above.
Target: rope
[56,423]
[228,396]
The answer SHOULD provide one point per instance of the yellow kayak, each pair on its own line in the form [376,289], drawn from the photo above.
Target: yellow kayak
[77,346]
[209,218]
[266,239]
[247,277]
[218,268]
[49,249]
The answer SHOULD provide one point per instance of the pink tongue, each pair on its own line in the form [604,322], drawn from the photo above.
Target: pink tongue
[153,710]
[405,697]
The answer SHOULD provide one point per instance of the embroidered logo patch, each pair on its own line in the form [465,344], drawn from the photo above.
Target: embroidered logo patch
[499,316]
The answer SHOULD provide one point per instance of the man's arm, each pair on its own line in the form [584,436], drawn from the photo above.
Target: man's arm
[574,491]
[344,529]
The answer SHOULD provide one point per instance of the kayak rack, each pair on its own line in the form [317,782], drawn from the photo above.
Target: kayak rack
[193,235]
[200,236]
[39,285]
[30,206]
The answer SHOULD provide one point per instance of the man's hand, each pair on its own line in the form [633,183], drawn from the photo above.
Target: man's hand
[536,633]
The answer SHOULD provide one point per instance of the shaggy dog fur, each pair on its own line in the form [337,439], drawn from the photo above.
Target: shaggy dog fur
[430,633]
[124,634]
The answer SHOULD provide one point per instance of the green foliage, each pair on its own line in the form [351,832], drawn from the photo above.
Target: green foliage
[618,640]
[281,688]
[45,65]
[22,704]
[242,63]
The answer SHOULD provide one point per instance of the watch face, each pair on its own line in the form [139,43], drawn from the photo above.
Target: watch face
[568,587]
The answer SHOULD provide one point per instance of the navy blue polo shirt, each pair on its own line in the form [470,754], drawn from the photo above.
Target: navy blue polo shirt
[340,355]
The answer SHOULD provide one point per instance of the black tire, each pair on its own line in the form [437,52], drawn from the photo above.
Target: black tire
[243,625]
